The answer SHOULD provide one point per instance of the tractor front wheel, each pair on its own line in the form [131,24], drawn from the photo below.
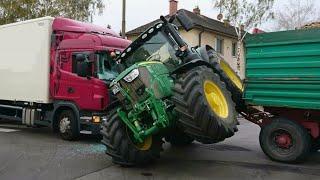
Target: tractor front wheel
[120,145]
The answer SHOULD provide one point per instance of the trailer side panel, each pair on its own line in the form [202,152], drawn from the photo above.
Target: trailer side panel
[283,69]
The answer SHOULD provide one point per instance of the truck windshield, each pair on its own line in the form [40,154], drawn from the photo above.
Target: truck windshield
[105,67]
[158,48]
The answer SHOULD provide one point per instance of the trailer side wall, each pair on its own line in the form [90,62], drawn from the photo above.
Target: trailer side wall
[283,69]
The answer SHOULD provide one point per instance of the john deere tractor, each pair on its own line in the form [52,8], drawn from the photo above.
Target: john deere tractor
[168,90]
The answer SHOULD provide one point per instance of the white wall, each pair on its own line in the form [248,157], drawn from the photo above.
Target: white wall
[209,38]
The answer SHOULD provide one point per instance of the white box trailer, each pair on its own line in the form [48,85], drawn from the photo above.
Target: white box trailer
[25,60]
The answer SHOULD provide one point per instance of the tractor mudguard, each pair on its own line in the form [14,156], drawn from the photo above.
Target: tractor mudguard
[203,51]
[190,65]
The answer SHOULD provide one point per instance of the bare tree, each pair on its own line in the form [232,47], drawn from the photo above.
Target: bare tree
[244,15]
[296,13]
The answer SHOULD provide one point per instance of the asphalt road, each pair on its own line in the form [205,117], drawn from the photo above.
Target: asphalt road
[27,153]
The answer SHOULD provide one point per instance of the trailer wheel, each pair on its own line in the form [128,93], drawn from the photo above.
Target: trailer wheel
[67,124]
[179,138]
[204,106]
[285,141]
[120,146]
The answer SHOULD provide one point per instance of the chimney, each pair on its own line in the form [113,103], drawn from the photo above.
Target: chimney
[173,7]
[226,22]
[197,10]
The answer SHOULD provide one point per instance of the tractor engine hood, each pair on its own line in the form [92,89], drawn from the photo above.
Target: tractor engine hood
[137,82]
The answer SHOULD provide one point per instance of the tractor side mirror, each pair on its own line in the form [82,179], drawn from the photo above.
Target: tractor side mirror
[185,21]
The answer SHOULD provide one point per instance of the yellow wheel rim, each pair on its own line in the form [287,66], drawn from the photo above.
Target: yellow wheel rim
[146,145]
[231,74]
[216,99]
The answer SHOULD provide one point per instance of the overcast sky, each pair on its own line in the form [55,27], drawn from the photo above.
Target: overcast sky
[140,12]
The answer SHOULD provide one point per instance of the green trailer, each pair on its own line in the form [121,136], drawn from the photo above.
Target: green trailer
[283,79]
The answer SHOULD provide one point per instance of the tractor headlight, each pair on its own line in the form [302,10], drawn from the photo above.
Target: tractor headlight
[131,76]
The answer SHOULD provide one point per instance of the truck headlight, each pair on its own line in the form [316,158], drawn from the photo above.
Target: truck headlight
[96,119]
[115,89]
[131,76]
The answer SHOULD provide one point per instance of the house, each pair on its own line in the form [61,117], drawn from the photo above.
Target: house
[311,25]
[207,31]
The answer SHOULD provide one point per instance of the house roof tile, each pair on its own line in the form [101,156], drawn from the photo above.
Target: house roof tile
[199,21]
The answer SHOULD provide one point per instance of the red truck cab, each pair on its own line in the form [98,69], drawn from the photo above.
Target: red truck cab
[80,70]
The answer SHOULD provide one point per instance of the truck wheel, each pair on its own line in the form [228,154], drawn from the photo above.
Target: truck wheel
[178,138]
[204,106]
[117,138]
[315,145]
[68,127]
[230,78]
[285,141]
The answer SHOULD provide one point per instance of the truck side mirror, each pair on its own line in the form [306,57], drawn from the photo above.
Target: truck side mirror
[83,69]
[185,21]
[80,57]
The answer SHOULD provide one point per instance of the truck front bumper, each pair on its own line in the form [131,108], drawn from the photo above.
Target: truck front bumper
[92,124]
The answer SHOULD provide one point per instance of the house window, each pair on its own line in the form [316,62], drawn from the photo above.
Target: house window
[219,45]
[234,49]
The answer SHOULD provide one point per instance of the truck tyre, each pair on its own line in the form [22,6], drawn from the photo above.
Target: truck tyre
[285,141]
[179,138]
[230,78]
[117,139]
[67,124]
[315,145]
[204,106]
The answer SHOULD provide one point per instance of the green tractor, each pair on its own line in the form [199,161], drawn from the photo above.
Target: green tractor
[168,90]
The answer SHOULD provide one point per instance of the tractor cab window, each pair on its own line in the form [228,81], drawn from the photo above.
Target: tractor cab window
[106,66]
[158,48]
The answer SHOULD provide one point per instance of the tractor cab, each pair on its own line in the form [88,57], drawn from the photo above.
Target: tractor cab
[161,42]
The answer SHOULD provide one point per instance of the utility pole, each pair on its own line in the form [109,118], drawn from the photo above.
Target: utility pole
[123,33]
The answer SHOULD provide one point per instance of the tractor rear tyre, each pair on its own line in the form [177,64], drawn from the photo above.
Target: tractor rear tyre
[204,106]
[230,78]
[179,138]
[120,146]
[285,141]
